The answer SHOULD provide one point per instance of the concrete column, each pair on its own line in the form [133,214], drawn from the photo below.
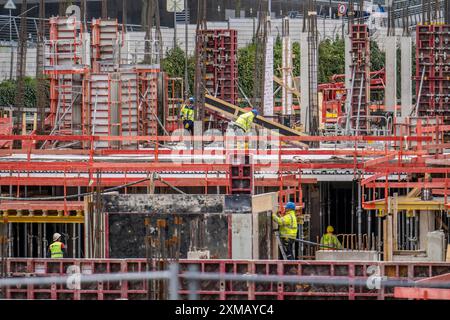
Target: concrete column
[406,75]
[426,224]
[115,110]
[77,103]
[391,74]
[286,69]
[268,76]
[348,75]
[348,61]
[86,49]
[304,81]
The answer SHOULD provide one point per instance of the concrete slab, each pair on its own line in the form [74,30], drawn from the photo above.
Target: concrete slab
[330,255]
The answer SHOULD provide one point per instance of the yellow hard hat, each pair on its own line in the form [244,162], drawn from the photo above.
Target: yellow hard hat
[330,229]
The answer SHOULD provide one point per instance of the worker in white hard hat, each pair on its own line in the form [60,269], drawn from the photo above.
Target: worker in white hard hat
[57,248]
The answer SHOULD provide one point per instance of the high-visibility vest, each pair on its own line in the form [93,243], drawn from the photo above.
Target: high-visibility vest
[330,240]
[287,224]
[56,250]
[187,113]
[245,120]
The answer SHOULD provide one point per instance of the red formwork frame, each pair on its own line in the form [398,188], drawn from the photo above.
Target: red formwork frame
[222,289]
[431,61]
[99,49]
[174,98]
[57,71]
[360,49]
[220,48]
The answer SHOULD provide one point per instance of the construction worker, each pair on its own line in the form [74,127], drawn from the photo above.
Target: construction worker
[244,122]
[242,126]
[287,226]
[57,248]
[187,115]
[330,240]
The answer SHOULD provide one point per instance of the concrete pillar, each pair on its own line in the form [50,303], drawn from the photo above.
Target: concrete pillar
[391,74]
[286,69]
[348,75]
[241,236]
[77,97]
[115,102]
[348,62]
[426,224]
[304,81]
[406,75]
[268,76]
[86,49]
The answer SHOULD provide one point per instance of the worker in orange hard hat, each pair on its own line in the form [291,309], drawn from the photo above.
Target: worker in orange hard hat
[330,240]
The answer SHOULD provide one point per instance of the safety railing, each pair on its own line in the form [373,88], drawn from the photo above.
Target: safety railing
[62,53]
[101,279]
[139,52]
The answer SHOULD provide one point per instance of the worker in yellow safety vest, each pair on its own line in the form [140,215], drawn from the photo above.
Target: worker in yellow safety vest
[242,126]
[287,226]
[330,240]
[245,121]
[57,247]
[187,115]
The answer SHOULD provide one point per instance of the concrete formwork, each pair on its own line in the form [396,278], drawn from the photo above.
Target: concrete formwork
[228,226]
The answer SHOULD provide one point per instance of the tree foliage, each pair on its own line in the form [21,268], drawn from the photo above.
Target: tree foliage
[8,92]
[173,64]
[331,59]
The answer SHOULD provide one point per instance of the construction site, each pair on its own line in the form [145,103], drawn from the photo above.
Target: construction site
[148,210]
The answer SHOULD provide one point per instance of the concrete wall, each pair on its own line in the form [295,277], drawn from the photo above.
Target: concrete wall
[213,217]
[5,62]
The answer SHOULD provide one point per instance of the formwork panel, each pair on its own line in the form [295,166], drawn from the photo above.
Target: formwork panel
[433,70]
[219,290]
[220,54]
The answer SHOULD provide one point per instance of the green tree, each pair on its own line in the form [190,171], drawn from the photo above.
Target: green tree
[377,57]
[173,64]
[331,59]
[246,64]
[8,92]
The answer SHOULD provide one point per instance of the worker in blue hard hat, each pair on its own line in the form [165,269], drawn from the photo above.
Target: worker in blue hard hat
[287,226]
[244,122]
[187,115]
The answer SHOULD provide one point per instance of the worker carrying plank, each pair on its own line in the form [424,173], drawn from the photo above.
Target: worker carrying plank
[242,126]
[287,224]
[330,240]
[244,122]
[187,115]
[57,248]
